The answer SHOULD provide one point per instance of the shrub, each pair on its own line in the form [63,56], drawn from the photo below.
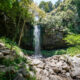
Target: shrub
[73,39]
[73,50]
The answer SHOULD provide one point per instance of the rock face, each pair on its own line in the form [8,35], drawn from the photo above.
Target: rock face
[49,39]
[57,68]
[52,39]
[27,40]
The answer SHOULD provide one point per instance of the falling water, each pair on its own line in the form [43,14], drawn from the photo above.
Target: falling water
[37,39]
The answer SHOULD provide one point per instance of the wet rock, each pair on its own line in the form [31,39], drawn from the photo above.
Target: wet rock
[44,78]
[44,72]
[31,74]
[38,70]
[2,68]
[5,52]
[19,77]
[54,77]
[75,68]
[36,62]
[51,71]
[1,55]
[9,57]
[10,68]
[2,45]
[68,74]
[27,66]
[41,65]
[23,71]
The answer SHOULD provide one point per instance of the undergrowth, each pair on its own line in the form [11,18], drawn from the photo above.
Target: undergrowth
[8,43]
[15,61]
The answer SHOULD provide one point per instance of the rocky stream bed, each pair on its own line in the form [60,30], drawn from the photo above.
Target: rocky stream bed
[59,67]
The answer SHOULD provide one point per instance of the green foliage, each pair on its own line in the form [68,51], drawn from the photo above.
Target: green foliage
[16,64]
[53,52]
[57,3]
[35,9]
[12,62]
[52,21]
[13,13]
[73,39]
[28,52]
[8,43]
[6,5]
[69,51]
[46,6]
[5,76]
[64,17]
[73,50]
[47,53]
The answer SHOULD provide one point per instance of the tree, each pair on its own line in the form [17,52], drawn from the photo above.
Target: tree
[57,3]
[77,3]
[15,12]
[46,6]
[5,5]
[35,9]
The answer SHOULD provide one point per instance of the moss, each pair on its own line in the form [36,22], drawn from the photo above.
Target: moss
[8,43]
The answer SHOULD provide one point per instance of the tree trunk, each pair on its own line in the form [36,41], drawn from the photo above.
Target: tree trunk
[21,34]
[17,29]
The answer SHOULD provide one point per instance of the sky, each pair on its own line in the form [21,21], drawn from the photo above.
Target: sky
[38,1]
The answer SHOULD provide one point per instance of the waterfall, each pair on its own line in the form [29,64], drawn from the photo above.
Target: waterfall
[37,39]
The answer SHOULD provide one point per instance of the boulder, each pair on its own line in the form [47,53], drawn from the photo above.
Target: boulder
[31,74]
[5,52]
[55,77]
[75,68]
[2,45]
[19,77]
[36,62]
[1,55]
[44,78]
[57,68]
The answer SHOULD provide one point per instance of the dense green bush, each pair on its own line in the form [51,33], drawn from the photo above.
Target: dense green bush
[73,39]
[73,50]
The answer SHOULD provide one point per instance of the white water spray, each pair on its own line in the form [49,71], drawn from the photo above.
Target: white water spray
[37,39]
